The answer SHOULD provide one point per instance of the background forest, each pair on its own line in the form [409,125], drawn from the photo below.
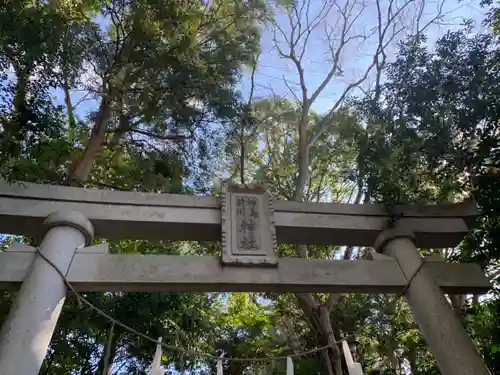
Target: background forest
[360,101]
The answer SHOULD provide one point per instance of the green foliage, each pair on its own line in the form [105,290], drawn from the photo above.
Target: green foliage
[434,105]
[164,75]
[434,138]
[483,324]
[492,15]
[172,69]
[79,342]
[33,145]
[272,152]
[244,328]
[169,70]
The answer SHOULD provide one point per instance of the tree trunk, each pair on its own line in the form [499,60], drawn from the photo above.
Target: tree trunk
[291,336]
[124,124]
[394,360]
[15,129]
[458,303]
[20,105]
[242,161]
[83,167]
[334,351]
[107,360]
[69,111]
[316,312]
[303,156]
[318,318]
[108,356]
[412,359]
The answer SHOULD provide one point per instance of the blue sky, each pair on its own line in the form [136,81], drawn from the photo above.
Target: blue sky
[272,70]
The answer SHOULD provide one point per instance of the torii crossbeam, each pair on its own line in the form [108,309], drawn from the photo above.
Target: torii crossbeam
[250,225]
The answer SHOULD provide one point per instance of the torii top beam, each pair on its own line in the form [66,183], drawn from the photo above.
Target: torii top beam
[117,214]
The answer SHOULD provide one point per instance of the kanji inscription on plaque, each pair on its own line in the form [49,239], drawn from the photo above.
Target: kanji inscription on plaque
[247,222]
[248,232]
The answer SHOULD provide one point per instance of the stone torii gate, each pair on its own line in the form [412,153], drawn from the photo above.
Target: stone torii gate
[250,225]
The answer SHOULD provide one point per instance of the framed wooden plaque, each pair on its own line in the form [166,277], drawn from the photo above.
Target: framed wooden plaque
[248,232]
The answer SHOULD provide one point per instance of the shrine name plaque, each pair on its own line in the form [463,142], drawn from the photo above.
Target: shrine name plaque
[248,232]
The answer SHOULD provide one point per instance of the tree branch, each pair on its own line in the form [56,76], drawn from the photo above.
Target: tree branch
[159,136]
[245,121]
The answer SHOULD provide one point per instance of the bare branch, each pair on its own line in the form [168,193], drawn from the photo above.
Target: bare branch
[326,119]
[158,136]
[312,25]
[291,90]
[82,99]
[252,79]
[379,58]
[439,15]
[344,28]
[300,34]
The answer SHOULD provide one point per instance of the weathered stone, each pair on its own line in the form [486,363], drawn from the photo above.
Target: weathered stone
[248,233]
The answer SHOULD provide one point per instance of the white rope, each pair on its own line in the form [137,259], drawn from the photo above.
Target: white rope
[289,366]
[192,353]
[220,368]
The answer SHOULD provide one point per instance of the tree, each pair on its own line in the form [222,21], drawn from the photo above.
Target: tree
[434,138]
[163,76]
[295,26]
[493,15]
[167,73]
[271,159]
[164,72]
[30,36]
[245,327]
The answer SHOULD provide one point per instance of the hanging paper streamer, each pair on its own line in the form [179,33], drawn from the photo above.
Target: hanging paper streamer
[289,366]
[156,365]
[219,364]
[354,368]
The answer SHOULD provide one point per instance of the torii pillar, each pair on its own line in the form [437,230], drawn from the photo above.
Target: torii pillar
[448,341]
[27,331]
